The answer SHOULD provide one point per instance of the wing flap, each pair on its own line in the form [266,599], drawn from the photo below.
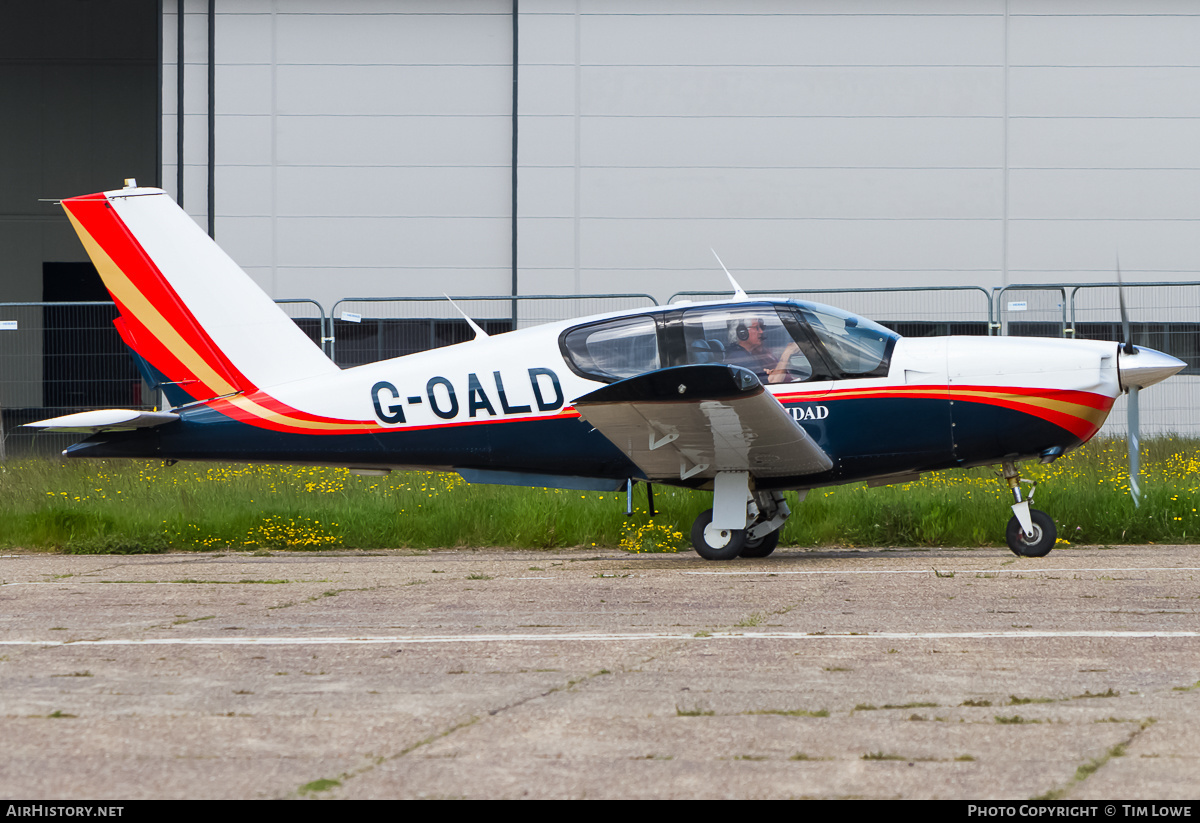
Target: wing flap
[694,421]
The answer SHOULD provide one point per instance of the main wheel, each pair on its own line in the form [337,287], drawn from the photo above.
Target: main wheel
[716,544]
[760,546]
[1044,535]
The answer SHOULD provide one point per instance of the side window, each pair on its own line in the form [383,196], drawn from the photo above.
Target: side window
[615,349]
[755,338]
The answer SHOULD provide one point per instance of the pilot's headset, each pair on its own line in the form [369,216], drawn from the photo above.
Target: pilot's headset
[739,329]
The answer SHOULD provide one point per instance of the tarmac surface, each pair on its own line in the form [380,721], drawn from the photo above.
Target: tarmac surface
[599,674]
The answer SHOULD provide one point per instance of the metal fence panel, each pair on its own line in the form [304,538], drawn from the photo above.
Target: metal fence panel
[59,358]
[366,330]
[912,311]
[62,358]
[310,317]
[1032,310]
[1162,316]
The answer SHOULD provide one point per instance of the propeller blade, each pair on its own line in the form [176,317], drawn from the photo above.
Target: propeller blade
[1131,437]
[1129,349]
[1134,442]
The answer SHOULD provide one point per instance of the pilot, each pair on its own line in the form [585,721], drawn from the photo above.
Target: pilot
[748,348]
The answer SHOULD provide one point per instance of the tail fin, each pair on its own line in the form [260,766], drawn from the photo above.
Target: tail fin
[197,322]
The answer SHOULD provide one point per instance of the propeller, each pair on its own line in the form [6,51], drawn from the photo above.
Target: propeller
[1131,408]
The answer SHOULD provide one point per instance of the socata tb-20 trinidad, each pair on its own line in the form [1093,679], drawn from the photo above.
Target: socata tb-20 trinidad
[746,398]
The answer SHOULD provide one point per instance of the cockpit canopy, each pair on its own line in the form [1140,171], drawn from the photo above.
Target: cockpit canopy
[792,342]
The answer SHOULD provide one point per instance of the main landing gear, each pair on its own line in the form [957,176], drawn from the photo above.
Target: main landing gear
[741,523]
[746,523]
[1030,533]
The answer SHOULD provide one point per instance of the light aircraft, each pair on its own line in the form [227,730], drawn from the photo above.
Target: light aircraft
[747,398]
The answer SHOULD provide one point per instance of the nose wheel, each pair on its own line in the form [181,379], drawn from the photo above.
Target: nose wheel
[1030,533]
[1037,545]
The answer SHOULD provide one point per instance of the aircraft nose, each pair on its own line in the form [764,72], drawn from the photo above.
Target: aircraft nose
[1145,367]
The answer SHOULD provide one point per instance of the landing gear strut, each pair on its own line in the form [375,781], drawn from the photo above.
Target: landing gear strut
[1030,533]
[741,523]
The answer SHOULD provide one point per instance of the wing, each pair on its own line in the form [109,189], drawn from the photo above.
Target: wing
[694,421]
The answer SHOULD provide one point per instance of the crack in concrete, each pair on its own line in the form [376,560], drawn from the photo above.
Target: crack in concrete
[462,724]
[1092,766]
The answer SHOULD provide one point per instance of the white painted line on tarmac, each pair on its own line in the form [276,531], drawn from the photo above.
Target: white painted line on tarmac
[570,637]
[943,572]
[947,571]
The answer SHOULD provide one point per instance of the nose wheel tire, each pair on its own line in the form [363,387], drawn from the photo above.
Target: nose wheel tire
[1044,535]
[762,546]
[716,544]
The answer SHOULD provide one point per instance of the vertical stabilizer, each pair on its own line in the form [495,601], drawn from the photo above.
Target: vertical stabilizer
[188,311]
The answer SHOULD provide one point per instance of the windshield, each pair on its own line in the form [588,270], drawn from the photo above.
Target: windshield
[858,347]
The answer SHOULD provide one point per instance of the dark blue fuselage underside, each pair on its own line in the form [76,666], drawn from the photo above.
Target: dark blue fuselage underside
[866,438]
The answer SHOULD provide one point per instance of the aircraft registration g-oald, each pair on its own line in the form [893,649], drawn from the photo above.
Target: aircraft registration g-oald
[746,398]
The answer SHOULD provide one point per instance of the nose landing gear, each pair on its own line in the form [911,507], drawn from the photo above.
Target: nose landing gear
[1030,533]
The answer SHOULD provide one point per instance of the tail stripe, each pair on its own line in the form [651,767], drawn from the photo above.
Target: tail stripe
[160,328]
[180,349]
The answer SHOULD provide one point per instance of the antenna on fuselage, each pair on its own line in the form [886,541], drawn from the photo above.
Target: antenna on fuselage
[738,292]
[480,334]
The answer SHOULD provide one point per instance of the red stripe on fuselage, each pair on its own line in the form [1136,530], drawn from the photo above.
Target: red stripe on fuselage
[949,392]
[225,407]
[1017,398]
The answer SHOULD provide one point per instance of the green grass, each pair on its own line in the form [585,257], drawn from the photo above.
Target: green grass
[1013,700]
[84,506]
[322,785]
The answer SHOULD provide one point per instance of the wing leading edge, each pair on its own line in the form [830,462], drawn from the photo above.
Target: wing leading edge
[690,422]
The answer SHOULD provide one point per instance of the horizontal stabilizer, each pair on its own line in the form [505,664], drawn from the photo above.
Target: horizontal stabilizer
[694,421]
[105,420]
